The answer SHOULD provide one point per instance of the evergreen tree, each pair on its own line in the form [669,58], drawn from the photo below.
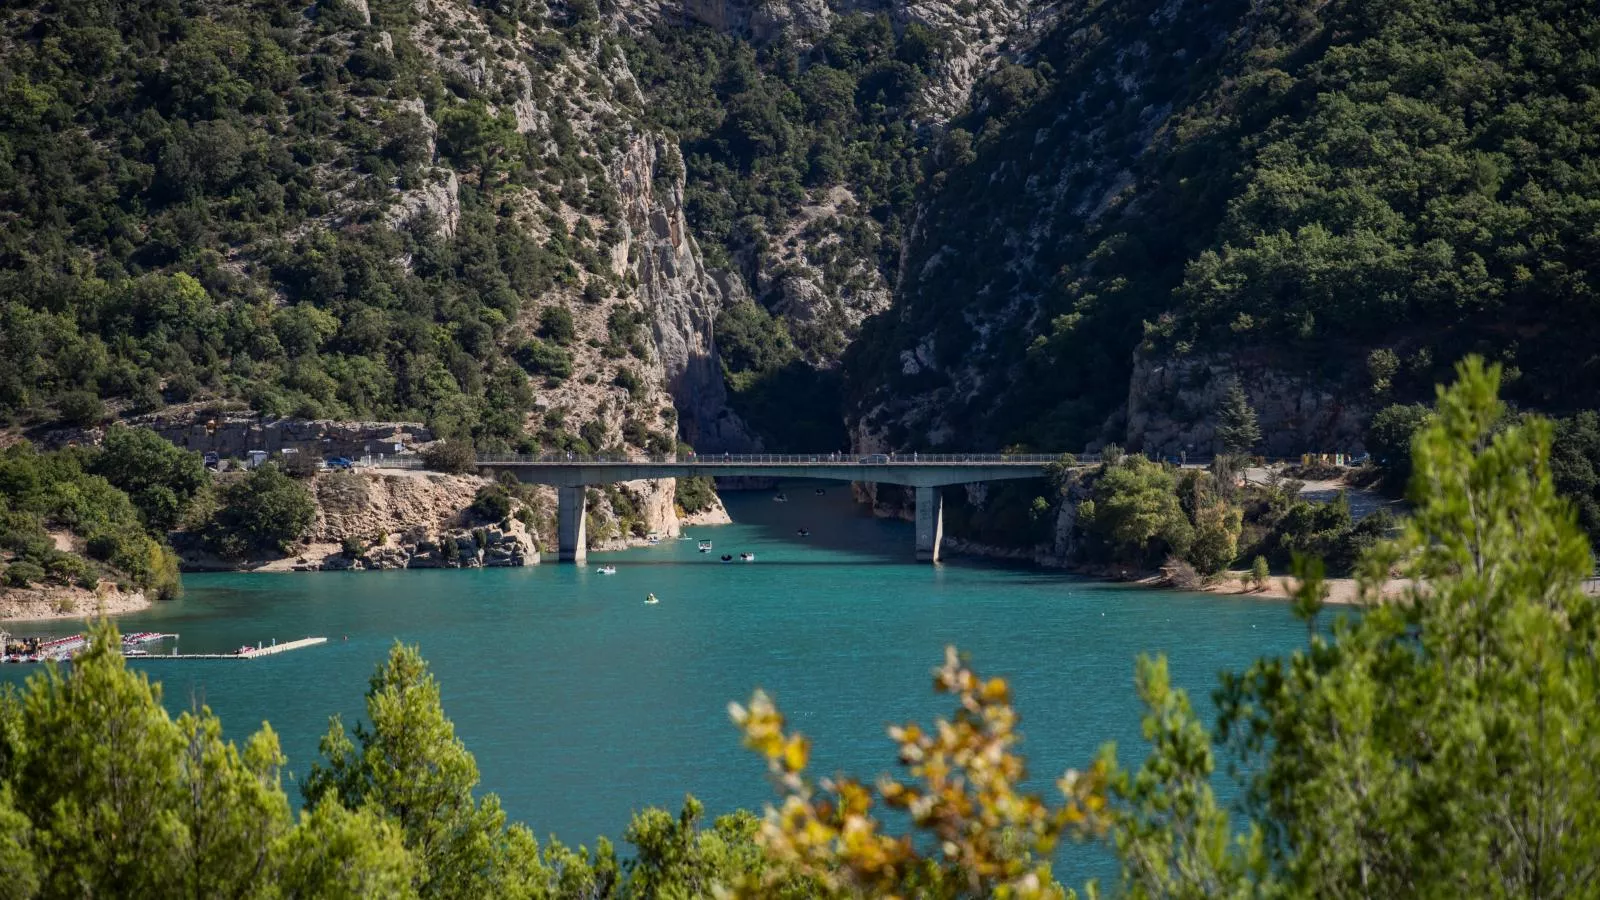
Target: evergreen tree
[103,794]
[1441,744]
[158,477]
[266,512]
[410,765]
[1237,429]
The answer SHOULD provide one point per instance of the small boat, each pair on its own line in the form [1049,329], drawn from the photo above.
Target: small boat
[820,492]
[684,537]
[607,570]
[780,498]
[803,533]
[727,557]
[705,546]
[652,540]
[136,651]
[245,649]
[747,557]
[651,598]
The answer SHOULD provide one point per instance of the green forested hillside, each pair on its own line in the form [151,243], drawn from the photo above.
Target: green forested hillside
[242,201]
[196,205]
[1312,181]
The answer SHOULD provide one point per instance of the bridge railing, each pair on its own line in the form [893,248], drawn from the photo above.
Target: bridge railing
[775,459]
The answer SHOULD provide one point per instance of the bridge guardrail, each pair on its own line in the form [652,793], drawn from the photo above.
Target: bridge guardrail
[714,460]
[776,459]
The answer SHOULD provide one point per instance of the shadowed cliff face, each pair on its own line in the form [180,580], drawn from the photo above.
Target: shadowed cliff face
[1023,298]
[679,295]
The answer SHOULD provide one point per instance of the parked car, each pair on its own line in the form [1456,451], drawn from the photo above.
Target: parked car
[875,459]
[212,460]
[340,462]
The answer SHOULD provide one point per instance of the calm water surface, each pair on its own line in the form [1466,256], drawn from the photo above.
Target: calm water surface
[583,704]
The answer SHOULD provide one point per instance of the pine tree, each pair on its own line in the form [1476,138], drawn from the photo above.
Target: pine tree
[1237,428]
[1440,745]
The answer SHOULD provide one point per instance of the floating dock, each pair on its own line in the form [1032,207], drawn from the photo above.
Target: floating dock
[62,649]
[252,653]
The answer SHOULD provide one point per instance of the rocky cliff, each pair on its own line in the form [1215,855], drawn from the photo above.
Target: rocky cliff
[680,297]
[370,520]
[1173,403]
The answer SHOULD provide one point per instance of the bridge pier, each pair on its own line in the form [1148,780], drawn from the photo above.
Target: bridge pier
[571,536]
[930,523]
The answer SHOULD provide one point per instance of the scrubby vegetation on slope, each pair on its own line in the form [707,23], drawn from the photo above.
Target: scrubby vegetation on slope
[202,195]
[1307,181]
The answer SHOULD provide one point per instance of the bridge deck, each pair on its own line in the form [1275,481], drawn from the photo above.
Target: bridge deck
[917,470]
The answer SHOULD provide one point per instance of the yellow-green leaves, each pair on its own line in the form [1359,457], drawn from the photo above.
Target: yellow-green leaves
[974,832]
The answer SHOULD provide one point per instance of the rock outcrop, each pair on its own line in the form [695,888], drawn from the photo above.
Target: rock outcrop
[233,433]
[374,520]
[68,602]
[679,294]
[1173,402]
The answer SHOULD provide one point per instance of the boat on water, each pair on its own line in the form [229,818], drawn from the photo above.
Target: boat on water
[727,557]
[747,557]
[820,492]
[705,546]
[607,570]
[803,532]
[780,498]
[684,537]
[651,598]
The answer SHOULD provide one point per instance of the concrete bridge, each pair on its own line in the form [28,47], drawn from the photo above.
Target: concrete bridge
[926,472]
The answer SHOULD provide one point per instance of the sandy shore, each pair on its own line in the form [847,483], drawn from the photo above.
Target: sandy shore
[1341,591]
[38,603]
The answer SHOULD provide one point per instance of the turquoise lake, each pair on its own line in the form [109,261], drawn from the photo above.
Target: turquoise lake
[583,704]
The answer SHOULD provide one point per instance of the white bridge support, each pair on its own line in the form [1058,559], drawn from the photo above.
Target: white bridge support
[926,473]
[571,534]
[930,523]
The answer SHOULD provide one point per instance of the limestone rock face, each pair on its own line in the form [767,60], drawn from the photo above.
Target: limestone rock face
[370,506]
[510,547]
[234,433]
[679,294]
[1172,406]
[438,200]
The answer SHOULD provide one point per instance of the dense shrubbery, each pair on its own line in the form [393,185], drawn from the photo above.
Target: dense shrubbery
[696,494]
[266,511]
[157,476]
[456,457]
[492,503]
[1140,513]
[40,492]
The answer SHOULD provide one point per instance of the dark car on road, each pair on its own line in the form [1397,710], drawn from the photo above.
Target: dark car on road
[875,459]
[339,462]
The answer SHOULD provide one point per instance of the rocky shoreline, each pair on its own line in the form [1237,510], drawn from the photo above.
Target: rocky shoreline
[44,603]
[423,520]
